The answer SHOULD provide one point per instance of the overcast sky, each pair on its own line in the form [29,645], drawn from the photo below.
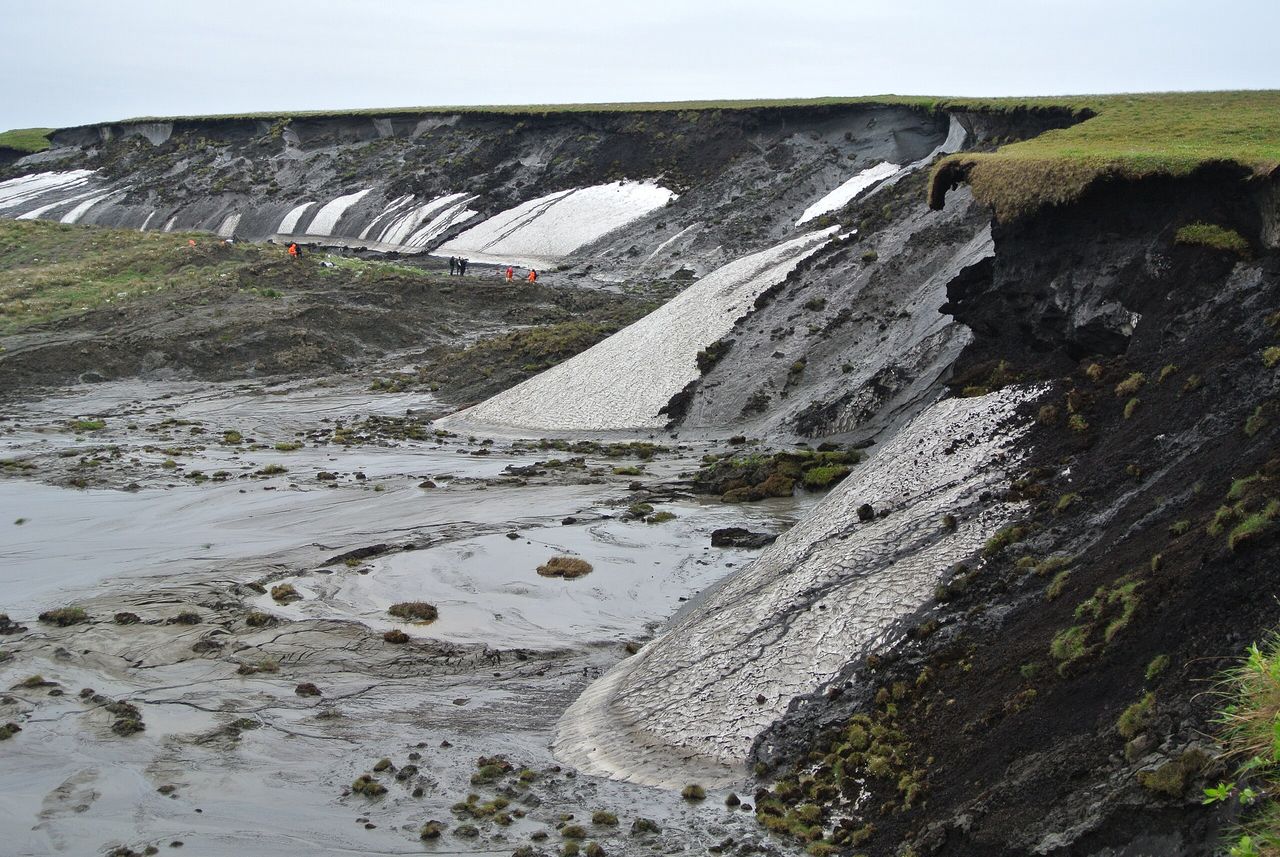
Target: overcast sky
[67,62]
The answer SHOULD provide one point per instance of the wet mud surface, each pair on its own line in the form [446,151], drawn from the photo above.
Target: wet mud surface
[187,704]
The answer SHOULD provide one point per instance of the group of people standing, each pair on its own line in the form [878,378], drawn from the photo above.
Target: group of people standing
[458,265]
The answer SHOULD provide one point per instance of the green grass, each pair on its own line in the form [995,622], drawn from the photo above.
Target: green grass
[50,271]
[1214,237]
[26,140]
[1129,137]
[1247,720]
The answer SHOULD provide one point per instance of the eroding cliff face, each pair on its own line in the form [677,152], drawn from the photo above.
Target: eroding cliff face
[692,702]
[549,182]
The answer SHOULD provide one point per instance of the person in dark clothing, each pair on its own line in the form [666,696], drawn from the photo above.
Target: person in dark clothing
[453,265]
[462,266]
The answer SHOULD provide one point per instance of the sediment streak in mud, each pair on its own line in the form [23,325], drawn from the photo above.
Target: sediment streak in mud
[691,703]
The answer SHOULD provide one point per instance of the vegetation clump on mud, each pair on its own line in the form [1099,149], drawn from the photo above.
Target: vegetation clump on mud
[1214,237]
[567,567]
[414,611]
[748,478]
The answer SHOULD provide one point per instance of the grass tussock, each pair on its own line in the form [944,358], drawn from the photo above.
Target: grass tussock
[1214,237]
[414,611]
[568,567]
[1247,721]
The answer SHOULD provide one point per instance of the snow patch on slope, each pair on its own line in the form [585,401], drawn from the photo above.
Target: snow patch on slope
[16,192]
[542,231]
[847,192]
[331,212]
[688,706]
[624,381]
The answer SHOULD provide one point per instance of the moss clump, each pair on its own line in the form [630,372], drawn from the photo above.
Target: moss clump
[396,637]
[1131,407]
[8,730]
[232,437]
[1057,585]
[64,616]
[414,611]
[466,831]
[1179,528]
[1156,668]
[272,470]
[1137,717]
[431,830]
[567,567]
[573,831]
[1171,779]
[288,446]
[660,518]
[1253,526]
[1214,237]
[257,619]
[1065,502]
[628,470]
[87,425]
[368,786]
[605,818]
[1002,539]
[1256,422]
[641,826]
[285,593]
[595,849]
[819,478]
[693,792]
[1131,385]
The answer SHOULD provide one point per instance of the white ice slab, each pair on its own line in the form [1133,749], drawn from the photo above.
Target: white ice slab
[407,223]
[228,227]
[331,212]
[847,192]
[625,380]
[544,230]
[290,221]
[16,192]
[74,215]
[689,705]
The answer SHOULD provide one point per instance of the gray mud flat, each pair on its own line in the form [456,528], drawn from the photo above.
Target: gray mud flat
[236,753]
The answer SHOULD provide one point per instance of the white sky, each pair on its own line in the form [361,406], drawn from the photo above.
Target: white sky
[66,62]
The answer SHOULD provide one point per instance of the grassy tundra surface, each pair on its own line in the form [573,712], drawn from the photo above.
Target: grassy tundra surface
[1129,137]
[26,140]
[78,299]
[51,271]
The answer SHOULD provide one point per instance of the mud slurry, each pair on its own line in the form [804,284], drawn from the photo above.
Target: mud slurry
[177,700]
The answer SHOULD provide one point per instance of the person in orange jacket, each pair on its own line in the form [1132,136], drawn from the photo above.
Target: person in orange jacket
[293,250]
[533,276]
[511,272]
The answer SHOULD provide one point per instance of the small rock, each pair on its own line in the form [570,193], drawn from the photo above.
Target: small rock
[738,537]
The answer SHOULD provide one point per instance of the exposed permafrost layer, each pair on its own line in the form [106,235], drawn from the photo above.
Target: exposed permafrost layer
[847,192]
[544,230]
[624,381]
[689,705]
[24,189]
